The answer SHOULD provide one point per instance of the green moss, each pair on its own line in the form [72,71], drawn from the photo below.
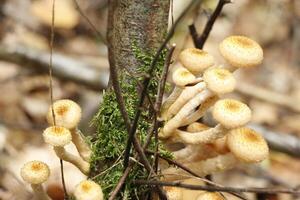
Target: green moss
[110,141]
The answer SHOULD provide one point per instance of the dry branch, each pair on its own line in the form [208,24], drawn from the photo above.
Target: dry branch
[63,66]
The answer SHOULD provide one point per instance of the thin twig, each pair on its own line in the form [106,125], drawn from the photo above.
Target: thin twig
[199,41]
[100,36]
[146,83]
[160,93]
[121,182]
[66,196]
[211,188]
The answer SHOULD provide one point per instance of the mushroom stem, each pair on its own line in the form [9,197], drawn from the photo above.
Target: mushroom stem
[202,168]
[39,192]
[194,153]
[200,112]
[202,137]
[176,121]
[187,94]
[81,146]
[169,101]
[82,165]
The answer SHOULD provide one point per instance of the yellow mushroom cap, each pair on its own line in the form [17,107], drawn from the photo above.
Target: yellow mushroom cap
[247,145]
[57,136]
[241,51]
[182,76]
[219,80]
[88,190]
[67,113]
[173,193]
[35,172]
[231,113]
[196,60]
[210,196]
[196,127]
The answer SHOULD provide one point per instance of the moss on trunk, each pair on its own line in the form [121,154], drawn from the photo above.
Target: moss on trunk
[135,31]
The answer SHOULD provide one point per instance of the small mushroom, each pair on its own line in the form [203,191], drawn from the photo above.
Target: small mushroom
[88,190]
[196,60]
[241,51]
[173,193]
[58,137]
[181,77]
[36,173]
[247,145]
[219,80]
[68,114]
[229,113]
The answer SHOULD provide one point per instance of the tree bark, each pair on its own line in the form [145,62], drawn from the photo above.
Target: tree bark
[133,26]
[135,22]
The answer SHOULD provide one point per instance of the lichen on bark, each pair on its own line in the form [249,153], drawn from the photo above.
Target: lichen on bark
[136,28]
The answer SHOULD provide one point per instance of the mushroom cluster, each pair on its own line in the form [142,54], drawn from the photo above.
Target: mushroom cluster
[63,117]
[199,86]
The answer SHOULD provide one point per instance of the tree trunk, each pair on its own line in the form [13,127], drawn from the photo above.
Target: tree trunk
[136,29]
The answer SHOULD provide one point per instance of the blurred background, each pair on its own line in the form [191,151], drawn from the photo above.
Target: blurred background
[80,68]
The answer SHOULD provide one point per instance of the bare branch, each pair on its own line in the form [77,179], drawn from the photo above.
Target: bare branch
[199,41]
[211,188]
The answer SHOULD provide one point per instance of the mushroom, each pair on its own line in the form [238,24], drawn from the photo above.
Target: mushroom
[196,60]
[210,196]
[229,113]
[36,173]
[245,145]
[88,190]
[241,51]
[68,114]
[58,137]
[173,193]
[219,80]
[181,77]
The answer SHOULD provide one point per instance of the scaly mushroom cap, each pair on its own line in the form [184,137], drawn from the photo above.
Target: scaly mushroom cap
[247,145]
[231,113]
[219,80]
[88,190]
[196,60]
[210,196]
[173,193]
[57,136]
[67,113]
[241,51]
[196,127]
[182,77]
[35,172]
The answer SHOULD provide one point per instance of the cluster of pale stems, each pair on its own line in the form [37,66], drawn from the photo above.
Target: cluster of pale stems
[199,85]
